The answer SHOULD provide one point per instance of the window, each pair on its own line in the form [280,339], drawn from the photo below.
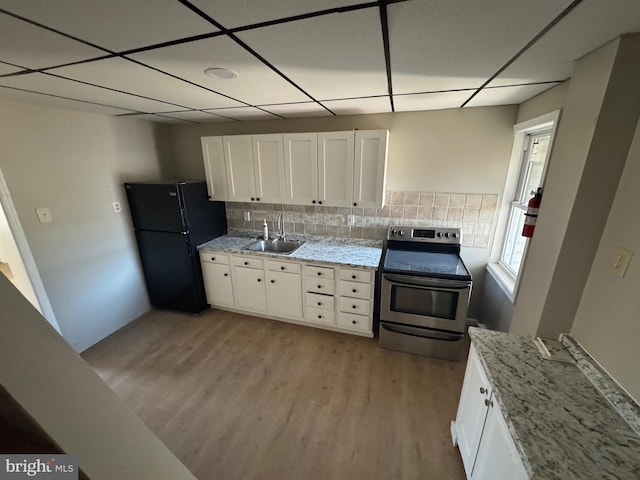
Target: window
[529,158]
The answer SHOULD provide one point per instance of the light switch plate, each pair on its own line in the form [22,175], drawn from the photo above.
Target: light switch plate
[621,261]
[44,215]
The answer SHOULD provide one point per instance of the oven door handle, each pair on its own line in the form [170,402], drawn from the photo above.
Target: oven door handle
[422,332]
[427,282]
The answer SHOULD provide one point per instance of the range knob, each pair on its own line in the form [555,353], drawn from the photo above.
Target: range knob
[401,233]
[439,234]
[446,235]
[454,235]
[394,232]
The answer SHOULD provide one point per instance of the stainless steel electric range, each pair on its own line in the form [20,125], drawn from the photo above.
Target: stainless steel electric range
[424,293]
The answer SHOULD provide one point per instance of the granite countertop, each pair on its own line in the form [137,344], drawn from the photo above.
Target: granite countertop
[562,425]
[325,250]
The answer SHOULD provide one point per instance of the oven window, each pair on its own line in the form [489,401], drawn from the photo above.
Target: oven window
[424,302]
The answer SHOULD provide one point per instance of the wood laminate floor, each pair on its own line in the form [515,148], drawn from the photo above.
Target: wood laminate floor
[239,397]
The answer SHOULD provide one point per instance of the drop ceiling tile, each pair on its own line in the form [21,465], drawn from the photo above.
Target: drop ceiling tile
[452,44]
[130,77]
[256,83]
[243,113]
[37,98]
[114,24]
[588,26]
[507,95]
[334,56]
[24,44]
[150,117]
[357,106]
[53,85]
[298,110]
[431,101]
[5,68]
[195,116]
[236,13]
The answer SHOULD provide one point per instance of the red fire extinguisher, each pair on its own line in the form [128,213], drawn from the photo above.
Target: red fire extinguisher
[532,214]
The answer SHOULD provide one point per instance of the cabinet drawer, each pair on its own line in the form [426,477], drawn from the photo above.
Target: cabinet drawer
[316,315]
[355,289]
[323,302]
[354,322]
[247,261]
[318,272]
[354,305]
[288,267]
[355,275]
[319,285]
[213,257]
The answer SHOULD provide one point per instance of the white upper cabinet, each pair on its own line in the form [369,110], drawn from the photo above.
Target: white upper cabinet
[238,156]
[214,168]
[370,168]
[335,168]
[301,168]
[269,167]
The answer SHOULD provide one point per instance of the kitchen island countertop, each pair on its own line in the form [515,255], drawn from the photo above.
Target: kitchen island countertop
[326,250]
[562,425]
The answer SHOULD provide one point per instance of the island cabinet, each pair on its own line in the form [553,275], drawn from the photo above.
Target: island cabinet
[334,169]
[480,432]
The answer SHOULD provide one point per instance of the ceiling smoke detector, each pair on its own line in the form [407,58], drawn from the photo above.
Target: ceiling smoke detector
[222,73]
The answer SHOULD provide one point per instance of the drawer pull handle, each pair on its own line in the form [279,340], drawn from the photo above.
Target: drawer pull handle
[281,268]
[354,290]
[319,316]
[319,304]
[259,279]
[226,274]
[483,390]
[353,306]
[319,286]
[313,201]
[213,259]
[246,263]
[353,276]
[273,281]
[319,273]
[252,199]
[320,202]
[354,322]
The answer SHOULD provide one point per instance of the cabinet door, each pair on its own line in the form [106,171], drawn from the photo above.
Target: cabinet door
[472,410]
[238,158]
[370,168]
[268,164]
[301,168]
[497,454]
[335,169]
[250,292]
[214,168]
[217,284]
[284,294]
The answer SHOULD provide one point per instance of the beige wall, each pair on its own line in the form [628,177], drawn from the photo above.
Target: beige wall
[77,410]
[607,323]
[579,117]
[75,164]
[458,150]
[545,102]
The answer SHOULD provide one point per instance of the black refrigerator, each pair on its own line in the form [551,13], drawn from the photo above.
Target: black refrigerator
[170,220]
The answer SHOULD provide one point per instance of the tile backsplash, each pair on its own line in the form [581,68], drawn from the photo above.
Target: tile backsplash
[474,213]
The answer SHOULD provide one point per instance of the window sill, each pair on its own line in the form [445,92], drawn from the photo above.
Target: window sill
[504,279]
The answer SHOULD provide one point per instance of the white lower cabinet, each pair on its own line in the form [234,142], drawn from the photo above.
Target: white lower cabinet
[337,298]
[480,432]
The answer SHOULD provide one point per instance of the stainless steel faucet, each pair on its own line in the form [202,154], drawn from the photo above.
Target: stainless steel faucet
[280,225]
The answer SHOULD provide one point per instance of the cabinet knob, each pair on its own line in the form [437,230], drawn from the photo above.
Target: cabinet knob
[319,316]
[354,290]
[319,273]
[353,276]
[353,306]
[253,199]
[354,322]
[355,204]
[319,304]
[273,281]
[209,197]
[259,279]
[319,286]
[320,202]
[213,259]
[488,403]
[226,274]
[313,201]
[257,199]
[483,390]
[281,268]
[246,263]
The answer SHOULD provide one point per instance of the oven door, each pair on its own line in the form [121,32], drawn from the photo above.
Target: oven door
[424,301]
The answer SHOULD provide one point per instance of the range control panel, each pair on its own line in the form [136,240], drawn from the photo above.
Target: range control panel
[425,234]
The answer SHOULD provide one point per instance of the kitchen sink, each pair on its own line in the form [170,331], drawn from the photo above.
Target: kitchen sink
[282,247]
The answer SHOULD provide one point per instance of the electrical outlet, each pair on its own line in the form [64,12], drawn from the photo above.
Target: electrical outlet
[117,208]
[44,215]
[247,216]
[351,220]
[621,261]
